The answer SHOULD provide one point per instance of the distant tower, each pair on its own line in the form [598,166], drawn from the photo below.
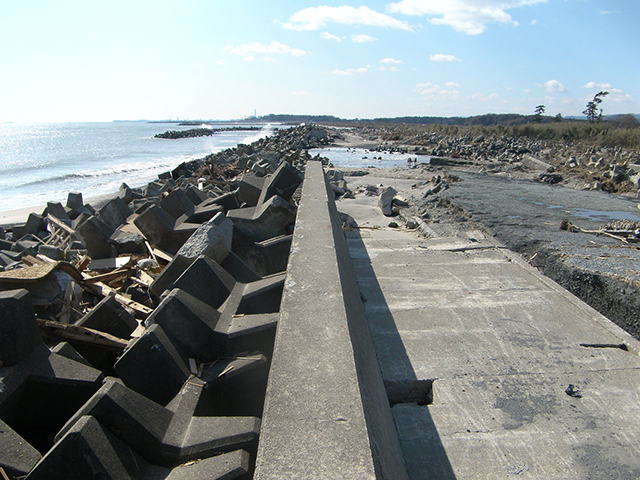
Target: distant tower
[255,113]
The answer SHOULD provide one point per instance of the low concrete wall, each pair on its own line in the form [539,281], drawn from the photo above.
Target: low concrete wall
[326,413]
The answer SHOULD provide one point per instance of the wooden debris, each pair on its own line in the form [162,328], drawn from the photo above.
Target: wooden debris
[107,277]
[82,334]
[103,290]
[29,261]
[161,255]
[83,263]
[61,233]
[625,236]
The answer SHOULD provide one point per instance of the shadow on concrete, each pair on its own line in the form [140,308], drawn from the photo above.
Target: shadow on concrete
[424,454]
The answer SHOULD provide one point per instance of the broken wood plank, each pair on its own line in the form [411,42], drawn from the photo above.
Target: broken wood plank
[30,260]
[141,311]
[107,277]
[144,277]
[159,254]
[82,334]
[83,263]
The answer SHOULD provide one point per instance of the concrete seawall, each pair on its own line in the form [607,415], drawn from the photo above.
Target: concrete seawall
[326,411]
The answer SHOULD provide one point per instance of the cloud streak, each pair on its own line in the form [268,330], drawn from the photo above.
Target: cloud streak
[246,50]
[554,86]
[441,57]
[316,18]
[350,71]
[467,16]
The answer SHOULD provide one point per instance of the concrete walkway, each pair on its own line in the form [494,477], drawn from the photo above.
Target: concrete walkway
[528,381]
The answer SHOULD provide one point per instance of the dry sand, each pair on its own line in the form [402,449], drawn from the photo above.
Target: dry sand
[20,215]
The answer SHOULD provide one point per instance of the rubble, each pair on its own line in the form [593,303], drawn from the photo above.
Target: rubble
[136,308]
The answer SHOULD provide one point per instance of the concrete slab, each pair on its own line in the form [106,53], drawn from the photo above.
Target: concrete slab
[502,344]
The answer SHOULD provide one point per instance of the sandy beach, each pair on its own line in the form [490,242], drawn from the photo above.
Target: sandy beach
[20,215]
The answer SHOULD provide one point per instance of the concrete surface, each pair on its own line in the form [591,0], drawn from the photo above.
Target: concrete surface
[517,393]
[324,418]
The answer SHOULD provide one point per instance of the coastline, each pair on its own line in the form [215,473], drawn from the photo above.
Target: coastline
[17,216]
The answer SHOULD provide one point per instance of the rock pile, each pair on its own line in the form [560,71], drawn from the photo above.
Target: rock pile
[135,338]
[613,169]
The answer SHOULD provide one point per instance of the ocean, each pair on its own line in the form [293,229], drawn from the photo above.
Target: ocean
[44,162]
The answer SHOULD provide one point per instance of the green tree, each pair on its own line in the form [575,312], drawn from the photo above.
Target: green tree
[539,111]
[591,112]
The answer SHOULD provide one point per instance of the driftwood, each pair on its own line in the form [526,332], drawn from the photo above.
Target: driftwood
[623,230]
[82,334]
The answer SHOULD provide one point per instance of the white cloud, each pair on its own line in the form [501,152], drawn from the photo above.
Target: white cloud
[534,22]
[328,36]
[619,96]
[350,71]
[273,48]
[315,18]
[391,60]
[427,88]
[441,57]
[301,94]
[483,97]
[467,16]
[388,69]
[220,62]
[597,85]
[452,85]
[554,86]
[362,38]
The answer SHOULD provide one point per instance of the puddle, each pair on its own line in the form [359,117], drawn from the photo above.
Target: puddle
[599,215]
[363,158]
[593,215]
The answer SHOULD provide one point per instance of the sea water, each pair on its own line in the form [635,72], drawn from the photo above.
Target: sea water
[44,162]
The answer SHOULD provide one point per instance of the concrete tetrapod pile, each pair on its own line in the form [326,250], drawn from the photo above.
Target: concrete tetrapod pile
[166,300]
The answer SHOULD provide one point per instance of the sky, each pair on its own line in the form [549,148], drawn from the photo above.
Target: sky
[100,60]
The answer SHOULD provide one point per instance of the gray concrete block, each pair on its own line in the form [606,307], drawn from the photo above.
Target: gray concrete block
[283,182]
[111,317]
[17,456]
[169,275]
[127,194]
[65,349]
[190,324]
[115,212]
[271,219]
[177,203]
[95,236]
[75,201]
[152,366]
[127,242]
[209,240]
[228,201]
[19,332]
[385,201]
[155,224]
[89,450]
[207,281]
[166,436]
[33,225]
[202,213]
[239,270]
[249,189]
[266,257]
[49,251]
[196,195]
[57,210]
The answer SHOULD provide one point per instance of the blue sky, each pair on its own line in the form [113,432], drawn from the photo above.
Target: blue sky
[98,60]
